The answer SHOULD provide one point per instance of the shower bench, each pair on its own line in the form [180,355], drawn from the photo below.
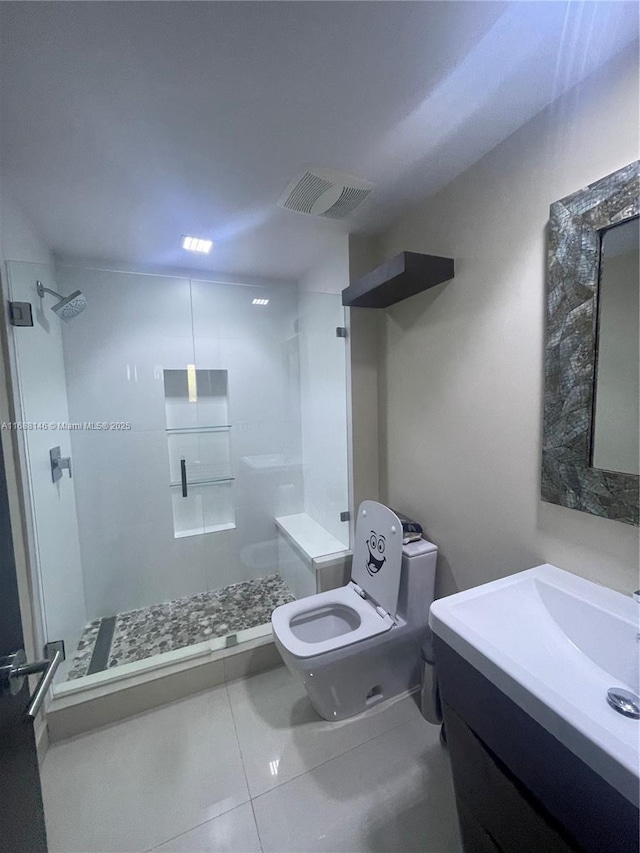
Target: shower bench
[310,558]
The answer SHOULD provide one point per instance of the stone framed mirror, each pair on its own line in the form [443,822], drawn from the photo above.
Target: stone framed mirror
[590,436]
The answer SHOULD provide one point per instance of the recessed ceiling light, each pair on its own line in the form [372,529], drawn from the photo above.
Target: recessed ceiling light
[260,302]
[197,244]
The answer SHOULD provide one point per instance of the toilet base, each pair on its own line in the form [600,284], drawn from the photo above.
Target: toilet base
[340,686]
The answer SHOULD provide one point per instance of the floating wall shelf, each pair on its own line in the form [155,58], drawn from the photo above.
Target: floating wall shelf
[404,275]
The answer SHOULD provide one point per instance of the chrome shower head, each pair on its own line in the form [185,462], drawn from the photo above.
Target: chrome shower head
[69,306]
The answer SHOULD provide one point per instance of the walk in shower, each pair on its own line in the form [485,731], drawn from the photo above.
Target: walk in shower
[183,441]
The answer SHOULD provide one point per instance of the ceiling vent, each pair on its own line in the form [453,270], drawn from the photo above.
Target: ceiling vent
[324,192]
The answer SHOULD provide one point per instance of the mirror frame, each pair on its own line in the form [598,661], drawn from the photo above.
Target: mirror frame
[575,231]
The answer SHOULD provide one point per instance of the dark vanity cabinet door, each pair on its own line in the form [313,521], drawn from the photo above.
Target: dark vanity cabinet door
[518,789]
[496,811]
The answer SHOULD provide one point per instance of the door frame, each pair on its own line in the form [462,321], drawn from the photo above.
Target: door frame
[30,611]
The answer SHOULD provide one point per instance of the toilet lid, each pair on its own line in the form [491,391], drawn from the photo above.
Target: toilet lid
[377,554]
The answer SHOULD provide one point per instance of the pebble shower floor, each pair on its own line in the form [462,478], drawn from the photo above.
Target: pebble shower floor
[150,631]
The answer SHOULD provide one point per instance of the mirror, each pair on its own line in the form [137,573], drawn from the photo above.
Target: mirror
[591,430]
[616,422]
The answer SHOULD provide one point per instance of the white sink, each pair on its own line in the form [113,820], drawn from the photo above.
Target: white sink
[555,643]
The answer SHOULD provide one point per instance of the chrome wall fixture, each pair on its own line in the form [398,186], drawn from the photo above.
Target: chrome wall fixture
[59,463]
[67,307]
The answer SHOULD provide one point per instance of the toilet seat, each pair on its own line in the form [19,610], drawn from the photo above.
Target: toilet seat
[324,605]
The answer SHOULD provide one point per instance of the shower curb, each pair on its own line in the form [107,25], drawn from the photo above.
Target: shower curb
[105,704]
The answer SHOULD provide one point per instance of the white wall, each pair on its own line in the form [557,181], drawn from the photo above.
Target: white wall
[133,328]
[42,398]
[18,239]
[461,374]
[323,391]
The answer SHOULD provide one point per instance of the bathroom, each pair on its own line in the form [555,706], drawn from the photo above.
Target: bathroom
[142,124]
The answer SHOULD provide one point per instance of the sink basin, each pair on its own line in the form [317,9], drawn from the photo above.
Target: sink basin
[555,643]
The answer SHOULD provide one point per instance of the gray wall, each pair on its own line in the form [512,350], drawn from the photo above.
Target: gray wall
[460,369]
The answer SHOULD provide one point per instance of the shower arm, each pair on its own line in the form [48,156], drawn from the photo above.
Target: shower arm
[42,290]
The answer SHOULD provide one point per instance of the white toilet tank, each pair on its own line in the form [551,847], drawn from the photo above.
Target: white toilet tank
[417,583]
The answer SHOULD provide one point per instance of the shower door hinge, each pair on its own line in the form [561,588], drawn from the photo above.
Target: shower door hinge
[52,647]
[20,314]
[345,516]
[341,331]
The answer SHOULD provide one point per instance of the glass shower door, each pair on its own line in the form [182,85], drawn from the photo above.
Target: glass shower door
[248,335]
[109,584]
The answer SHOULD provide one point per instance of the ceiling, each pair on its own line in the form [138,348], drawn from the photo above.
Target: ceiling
[125,125]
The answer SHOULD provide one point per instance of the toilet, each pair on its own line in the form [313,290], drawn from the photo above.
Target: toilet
[360,644]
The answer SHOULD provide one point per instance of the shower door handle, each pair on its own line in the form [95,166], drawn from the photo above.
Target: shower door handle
[183,476]
[14,669]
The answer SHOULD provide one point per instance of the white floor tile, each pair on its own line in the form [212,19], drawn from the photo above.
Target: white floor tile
[141,782]
[281,736]
[232,832]
[393,794]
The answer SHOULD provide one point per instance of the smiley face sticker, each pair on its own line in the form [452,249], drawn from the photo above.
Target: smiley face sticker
[375,546]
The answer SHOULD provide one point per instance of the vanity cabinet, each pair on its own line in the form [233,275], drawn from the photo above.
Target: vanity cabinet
[518,789]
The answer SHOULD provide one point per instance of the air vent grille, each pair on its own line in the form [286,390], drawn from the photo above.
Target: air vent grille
[325,192]
[307,192]
[350,198]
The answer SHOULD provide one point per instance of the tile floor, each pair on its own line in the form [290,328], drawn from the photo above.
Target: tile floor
[150,631]
[249,766]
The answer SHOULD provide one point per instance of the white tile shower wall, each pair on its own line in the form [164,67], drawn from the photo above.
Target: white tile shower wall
[324,411]
[258,347]
[43,399]
[134,328]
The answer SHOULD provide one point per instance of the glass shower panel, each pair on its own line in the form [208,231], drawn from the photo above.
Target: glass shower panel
[110,364]
[323,391]
[41,404]
[250,333]
[312,543]
[286,370]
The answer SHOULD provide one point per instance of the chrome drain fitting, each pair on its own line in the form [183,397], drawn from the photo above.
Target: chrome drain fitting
[624,702]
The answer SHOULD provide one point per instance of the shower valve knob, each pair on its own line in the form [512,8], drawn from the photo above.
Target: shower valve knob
[58,464]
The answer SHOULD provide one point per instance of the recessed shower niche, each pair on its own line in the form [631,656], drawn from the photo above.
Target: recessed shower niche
[198,441]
